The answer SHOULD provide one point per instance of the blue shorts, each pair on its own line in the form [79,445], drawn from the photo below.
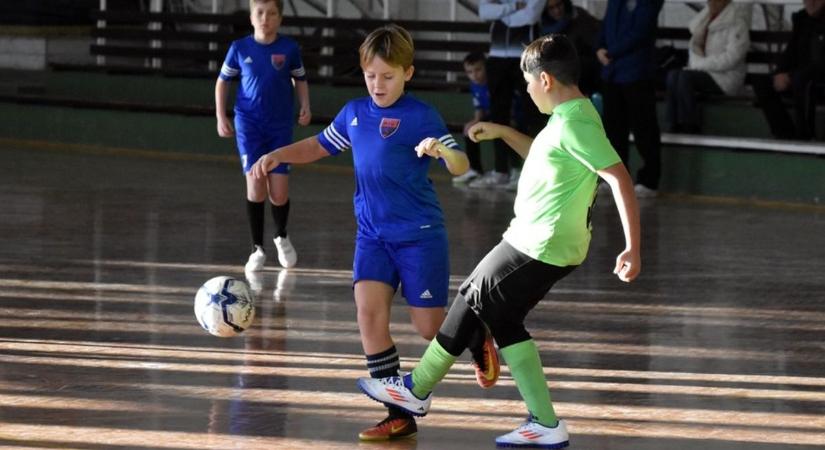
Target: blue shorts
[422,267]
[252,144]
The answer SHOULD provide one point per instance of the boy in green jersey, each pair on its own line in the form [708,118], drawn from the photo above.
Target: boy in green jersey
[547,239]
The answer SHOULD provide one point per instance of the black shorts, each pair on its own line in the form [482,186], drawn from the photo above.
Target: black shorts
[505,286]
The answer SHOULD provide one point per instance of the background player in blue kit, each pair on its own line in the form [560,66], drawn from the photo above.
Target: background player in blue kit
[266,63]
[477,74]
[401,237]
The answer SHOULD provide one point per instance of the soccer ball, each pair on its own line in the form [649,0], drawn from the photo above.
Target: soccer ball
[224,306]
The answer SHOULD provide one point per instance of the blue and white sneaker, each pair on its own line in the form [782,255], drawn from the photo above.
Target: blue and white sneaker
[535,435]
[393,391]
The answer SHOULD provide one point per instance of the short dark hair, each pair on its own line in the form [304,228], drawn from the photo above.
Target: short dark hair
[474,57]
[554,54]
[278,3]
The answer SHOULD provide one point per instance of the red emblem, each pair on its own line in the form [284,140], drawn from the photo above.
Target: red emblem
[389,126]
[278,61]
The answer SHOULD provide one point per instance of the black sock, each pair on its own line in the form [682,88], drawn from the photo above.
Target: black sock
[255,212]
[386,364]
[280,214]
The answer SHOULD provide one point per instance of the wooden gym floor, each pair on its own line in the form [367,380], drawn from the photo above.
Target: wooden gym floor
[719,345]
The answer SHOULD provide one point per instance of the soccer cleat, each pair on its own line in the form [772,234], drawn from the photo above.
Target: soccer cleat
[535,435]
[468,176]
[287,255]
[392,391]
[487,372]
[256,260]
[389,428]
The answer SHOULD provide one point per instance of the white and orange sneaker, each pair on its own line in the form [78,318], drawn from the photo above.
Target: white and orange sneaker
[535,435]
[393,391]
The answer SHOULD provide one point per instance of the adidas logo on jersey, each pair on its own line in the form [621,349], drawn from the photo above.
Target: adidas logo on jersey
[354,122]
[426,294]
[248,60]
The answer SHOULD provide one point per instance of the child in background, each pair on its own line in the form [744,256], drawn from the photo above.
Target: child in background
[476,72]
[267,65]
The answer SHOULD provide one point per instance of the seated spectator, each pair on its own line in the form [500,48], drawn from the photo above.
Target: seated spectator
[801,65]
[560,16]
[719,42]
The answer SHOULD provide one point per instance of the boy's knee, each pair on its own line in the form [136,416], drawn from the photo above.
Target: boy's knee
[278,198]
[507,334]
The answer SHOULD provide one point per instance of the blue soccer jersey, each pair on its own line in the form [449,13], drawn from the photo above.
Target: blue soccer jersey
[481,96]
[394,199]
[265,93]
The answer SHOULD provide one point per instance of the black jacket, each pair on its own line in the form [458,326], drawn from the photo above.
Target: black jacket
[806,49]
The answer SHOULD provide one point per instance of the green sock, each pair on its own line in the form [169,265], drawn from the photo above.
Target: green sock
[525,366]
[435,363]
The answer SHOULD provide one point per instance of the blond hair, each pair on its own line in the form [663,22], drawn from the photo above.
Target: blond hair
[391,43]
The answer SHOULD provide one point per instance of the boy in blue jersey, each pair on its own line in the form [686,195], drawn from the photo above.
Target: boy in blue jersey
[477,74]
[401,238]
[267,65]
[547,239]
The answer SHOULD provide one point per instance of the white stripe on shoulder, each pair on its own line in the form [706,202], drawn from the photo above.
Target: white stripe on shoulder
[340,136]
[228,71]
[299,72]
[335,138]
[448,140]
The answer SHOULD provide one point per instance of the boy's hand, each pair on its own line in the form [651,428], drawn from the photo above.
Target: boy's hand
[429,146]
[603,56]
[263,165]
[484,131]
[225,128]
[628,265]
[304,116]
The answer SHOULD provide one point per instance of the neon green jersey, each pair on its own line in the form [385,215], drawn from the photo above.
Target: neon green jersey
[558,186]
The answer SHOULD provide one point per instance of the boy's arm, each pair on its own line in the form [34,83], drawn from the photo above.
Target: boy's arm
[225,128]
[456,161]
[302,152]
[302,90]
[519,142]
[629,262]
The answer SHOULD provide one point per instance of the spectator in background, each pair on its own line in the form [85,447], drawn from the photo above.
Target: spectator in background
[477,74]
[719,42]
[801,64]
[515,24]
[626,50]
[560,16]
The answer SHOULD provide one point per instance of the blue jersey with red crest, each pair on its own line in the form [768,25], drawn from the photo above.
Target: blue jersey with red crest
[394,198]
[265,98]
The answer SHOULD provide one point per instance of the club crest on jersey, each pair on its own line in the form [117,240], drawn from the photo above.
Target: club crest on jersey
[278,61]
[389,126]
